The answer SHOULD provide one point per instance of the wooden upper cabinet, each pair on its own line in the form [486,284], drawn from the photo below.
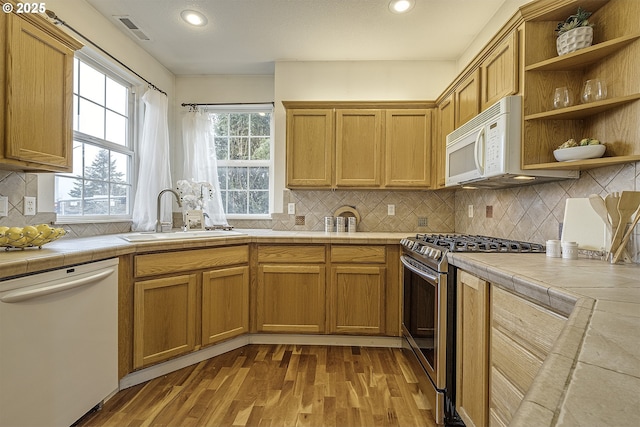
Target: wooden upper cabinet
[358,147]
[310,148]
[499,72]
[36,75]
[446,125]
[467,98]
[408,148]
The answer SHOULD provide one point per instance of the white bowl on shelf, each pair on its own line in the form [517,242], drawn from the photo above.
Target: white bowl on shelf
[579,153]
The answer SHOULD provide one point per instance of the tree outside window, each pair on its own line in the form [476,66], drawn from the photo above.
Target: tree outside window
[100,184]
[243,150]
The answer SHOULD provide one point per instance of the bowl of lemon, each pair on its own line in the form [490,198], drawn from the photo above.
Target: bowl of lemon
[30,236]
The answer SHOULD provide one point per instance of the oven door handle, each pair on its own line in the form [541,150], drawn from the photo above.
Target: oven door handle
[430,277]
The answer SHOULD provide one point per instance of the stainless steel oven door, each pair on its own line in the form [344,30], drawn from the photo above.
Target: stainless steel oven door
[425,317]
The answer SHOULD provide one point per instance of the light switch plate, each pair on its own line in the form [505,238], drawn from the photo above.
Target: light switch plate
[291,208]
[4,206]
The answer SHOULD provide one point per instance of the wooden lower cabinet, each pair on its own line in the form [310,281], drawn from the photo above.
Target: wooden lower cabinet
[291,298]
[472,349]
[522,334]
[357,300]
[357,291]
[183,300]
[225,304]
[164,319]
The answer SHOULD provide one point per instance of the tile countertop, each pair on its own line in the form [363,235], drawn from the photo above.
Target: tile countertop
[70,251]
[591,377]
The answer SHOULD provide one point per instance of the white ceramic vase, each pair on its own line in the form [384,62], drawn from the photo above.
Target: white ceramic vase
[575,39]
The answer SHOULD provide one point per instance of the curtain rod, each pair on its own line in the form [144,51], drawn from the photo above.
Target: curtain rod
[209,104]
[59,21]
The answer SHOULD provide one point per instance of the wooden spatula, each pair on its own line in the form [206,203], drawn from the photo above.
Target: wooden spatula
[601,209]
[627,205]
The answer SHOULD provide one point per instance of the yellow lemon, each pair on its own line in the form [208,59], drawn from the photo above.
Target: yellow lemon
[14,234]
[30,232]
[45,230]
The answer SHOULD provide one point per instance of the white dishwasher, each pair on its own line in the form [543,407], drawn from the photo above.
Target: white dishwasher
[58,344]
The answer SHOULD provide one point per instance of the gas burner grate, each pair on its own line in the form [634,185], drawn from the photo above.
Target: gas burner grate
[478,243]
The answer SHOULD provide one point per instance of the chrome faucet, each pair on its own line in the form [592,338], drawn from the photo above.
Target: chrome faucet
[158,223]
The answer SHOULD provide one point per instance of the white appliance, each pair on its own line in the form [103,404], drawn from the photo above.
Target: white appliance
[58,344]
[485,151]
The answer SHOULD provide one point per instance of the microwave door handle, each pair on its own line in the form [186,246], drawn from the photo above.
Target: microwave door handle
[479,152]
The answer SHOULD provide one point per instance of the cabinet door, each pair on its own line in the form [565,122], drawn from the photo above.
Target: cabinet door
[357,300]
[225,304]
[472,347]
[467,99]
[408,148]
[164,319]
[445,127]
[310,148]
[291,298]
[358,147]
[499,72]
[38,98]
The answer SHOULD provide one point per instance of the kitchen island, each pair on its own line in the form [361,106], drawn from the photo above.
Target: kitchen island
[592,376]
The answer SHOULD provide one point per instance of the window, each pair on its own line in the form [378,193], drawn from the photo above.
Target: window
[243,149]
[100,185]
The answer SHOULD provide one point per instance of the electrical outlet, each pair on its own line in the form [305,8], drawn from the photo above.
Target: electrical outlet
[470,211]
[391,210]
[4,206]
[291,208]
[29,205]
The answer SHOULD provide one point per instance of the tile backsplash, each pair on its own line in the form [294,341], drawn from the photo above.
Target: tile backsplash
[15,186]
[535,213]
[413,209]
[532,213]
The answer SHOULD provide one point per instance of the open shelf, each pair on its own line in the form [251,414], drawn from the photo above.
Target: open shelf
[584,164]
[583,110]
[580,58]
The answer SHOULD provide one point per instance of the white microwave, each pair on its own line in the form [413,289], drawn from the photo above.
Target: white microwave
[485,151]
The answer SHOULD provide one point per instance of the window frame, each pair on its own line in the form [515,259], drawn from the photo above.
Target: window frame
[248,109]
[135,109]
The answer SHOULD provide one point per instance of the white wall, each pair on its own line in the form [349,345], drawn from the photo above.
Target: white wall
[351,81]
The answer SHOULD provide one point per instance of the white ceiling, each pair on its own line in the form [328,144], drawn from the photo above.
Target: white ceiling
[248,36]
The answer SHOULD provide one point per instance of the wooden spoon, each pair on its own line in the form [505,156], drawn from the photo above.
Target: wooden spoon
[611,202]
[627,205]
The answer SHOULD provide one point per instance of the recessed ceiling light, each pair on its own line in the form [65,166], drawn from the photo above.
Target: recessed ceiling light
[194,18]
[401,6]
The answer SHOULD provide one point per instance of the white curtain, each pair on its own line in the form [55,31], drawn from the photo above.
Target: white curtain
[153,173]
[200,164]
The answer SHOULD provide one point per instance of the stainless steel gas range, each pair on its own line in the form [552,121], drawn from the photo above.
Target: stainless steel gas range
[429,308]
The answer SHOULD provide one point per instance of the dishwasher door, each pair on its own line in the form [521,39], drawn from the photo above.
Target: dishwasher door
[58,344]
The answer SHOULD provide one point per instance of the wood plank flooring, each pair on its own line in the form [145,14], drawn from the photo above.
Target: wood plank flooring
[277,386]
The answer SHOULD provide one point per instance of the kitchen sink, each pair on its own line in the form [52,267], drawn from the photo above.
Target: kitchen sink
[179,235]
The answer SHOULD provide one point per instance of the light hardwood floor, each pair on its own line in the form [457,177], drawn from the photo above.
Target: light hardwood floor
[277,386]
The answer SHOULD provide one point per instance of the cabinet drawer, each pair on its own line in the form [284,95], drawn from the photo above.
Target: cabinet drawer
[357,254]
[517,364]
[291,254]
[533,327]
[173,262]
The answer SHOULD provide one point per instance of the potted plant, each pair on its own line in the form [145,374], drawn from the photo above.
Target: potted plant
[575,32]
